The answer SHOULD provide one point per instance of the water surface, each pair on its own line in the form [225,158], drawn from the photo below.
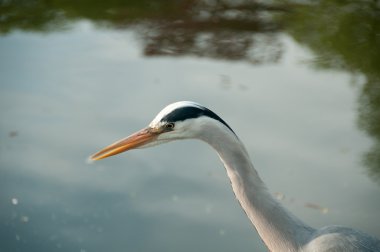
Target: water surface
[300,94]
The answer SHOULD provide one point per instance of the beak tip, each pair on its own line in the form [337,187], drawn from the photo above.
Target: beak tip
[95,157]
[90,160]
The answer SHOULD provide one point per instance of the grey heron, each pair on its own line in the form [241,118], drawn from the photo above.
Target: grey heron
[279,229]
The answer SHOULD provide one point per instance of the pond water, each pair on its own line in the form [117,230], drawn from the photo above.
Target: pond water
[300,88]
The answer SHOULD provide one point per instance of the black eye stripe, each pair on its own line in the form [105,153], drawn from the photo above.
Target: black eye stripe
[183,113]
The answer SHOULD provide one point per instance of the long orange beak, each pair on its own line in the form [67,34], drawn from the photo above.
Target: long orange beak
[135,140]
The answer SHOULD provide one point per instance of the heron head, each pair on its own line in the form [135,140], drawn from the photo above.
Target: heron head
[179,120]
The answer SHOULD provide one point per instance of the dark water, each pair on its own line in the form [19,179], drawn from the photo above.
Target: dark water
[300,85]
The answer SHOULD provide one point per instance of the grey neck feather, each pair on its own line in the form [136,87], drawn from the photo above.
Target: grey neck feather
[278,228]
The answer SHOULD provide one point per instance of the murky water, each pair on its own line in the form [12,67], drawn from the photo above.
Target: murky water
[300,88]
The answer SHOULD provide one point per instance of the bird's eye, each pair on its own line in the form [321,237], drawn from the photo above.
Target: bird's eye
[169,126]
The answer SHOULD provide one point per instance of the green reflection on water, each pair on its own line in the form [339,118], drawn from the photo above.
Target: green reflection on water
[46,16]
[345,35]
[208,29]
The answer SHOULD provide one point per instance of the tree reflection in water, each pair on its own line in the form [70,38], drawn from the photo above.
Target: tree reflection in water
[218,30]
[215,29]
[343,35]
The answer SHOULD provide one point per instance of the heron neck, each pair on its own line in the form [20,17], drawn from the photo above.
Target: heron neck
[278,228]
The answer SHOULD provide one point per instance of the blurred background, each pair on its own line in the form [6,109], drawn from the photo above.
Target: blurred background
[298,81]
